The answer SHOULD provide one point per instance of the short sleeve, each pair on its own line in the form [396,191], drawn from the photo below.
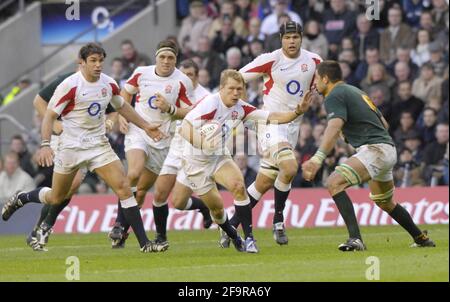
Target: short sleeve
[63,99]
[116,99]
[131,85]
[251,113]
[336,108]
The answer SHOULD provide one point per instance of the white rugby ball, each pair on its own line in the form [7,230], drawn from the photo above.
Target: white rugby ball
[211,133]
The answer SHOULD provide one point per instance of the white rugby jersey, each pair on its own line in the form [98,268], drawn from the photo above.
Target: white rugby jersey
[178,142]
[213,109]
[176,88]
[286,80]
[81,105]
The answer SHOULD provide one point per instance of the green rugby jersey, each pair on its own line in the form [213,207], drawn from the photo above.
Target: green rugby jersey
[363,124]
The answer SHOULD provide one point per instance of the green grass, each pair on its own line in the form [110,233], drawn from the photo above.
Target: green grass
[311,255]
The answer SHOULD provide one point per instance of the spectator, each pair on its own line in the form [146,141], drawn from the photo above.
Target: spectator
[377,75]
[427,126]
[402,72]
[435,151]
[437,59]
[118,73]
[413,9]
[13,178]
[405,101]
[372,57]
[407,171]
[395,35]
[18,146]
[227,38]
[338,22]
[249,174]
[427,23]
[349,56]
[204,79]
[428,84]
[245,9]
[269,24]
[227,11]
[365,36]
[23,84]
[254,28]
[234,58]
[445,166]
[413,141]
[403,54]
[314,40]
[405,129]
[421,53]
[255,49]
[434,156]
[347,73]
[132,58]
[194,26]
[376,94]
[440,14]
[211,60]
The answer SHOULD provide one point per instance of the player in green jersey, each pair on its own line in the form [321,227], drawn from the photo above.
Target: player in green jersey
[351,112]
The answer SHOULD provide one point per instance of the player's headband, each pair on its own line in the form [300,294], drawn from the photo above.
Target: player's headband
[165,49]
[291,27]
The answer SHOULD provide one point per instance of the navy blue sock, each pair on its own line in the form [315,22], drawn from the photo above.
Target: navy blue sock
[197,204]
[228,228]
[280,203]
[160,215]
[133,217]
[32,196]
[235,219]
[244,214]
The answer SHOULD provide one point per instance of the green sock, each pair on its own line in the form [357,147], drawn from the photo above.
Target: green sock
[345,207]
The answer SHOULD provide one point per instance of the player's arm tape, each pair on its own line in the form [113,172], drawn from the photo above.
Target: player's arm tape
[319,157]
[172,110]
[109,123]
[45,143]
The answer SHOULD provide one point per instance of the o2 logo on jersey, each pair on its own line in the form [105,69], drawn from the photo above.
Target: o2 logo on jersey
[150,100]
[94,109]
[294,88]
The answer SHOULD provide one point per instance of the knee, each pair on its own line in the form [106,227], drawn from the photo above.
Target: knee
[238,189]
[133,176]
[334,185]
[217,212]
[179,202]
[290,171]
[160,195]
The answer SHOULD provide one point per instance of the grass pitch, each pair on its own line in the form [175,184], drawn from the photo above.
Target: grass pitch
[311,255]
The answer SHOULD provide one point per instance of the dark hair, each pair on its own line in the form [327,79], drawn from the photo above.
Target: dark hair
[431,109]
[17,136]
[168,43]
[189,63]
[90,49]
[117,59]
[331,69]
[127,41]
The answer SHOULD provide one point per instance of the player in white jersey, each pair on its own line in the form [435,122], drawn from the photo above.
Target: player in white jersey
[163,93]
[206,160]
[81,101]
[167,177]
[49,213]
[288,73]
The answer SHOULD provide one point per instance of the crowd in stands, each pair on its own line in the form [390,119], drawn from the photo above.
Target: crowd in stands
[399,59]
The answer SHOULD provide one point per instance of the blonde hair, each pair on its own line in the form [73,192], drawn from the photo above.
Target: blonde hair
[370,72]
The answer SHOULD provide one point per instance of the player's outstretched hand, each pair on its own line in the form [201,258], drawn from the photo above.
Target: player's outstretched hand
[303,106]
[309,170]
[161,103]
[153,131]
[123,125]
[45,157]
